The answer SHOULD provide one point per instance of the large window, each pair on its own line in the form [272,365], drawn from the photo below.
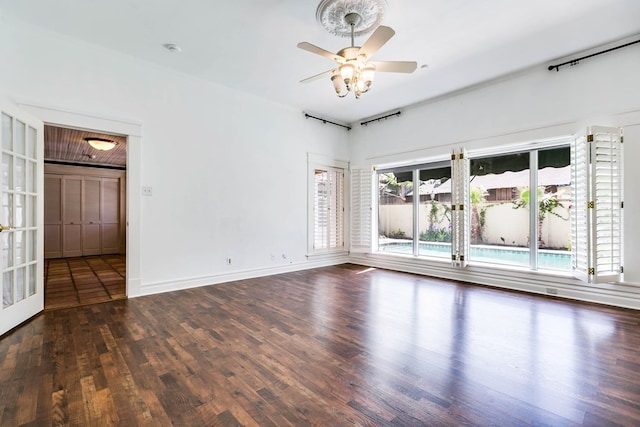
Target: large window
[549,207]
[504,227]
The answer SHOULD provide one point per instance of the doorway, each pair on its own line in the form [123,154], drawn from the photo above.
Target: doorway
[84,217]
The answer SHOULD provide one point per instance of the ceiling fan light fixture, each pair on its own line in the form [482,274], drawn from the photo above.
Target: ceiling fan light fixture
[347,71]
[338,83]
[367,74]
[353,71]
[101,144]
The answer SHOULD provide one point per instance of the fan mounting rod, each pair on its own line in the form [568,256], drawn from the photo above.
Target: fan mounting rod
[352,19]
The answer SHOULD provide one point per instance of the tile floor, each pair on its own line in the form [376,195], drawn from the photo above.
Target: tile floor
[71,282]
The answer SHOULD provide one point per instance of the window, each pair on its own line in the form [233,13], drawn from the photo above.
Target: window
[504,227]
[553,206]
[326,206]
[414,216]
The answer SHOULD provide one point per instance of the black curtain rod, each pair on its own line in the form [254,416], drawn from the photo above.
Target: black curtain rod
[397,113]
[576,61]
[309,116]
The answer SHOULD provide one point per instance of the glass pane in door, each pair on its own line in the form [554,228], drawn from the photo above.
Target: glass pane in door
[7,171]
[7,132]
[20,140]
[20,282]
[33,279]
[7,249]
[7,289]
[21,175]
[21,211]
[32,144]
[21,252]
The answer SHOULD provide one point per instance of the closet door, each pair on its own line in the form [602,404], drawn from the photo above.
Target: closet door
[110,215]
[92,221]
[53,216]
[72,216]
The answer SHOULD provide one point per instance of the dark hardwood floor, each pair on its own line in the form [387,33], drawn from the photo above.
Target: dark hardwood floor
[335,346]
[71,282]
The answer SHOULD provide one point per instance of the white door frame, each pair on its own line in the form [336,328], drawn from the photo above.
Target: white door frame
[52,115]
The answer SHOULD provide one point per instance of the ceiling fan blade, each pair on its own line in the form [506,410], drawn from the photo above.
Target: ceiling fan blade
[320,51]
[395,66]
[317,76]
[379,37]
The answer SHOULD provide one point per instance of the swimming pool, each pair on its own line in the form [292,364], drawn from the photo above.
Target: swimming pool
[547,259]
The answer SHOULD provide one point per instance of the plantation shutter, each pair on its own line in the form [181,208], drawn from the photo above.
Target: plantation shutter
[460,220]
[360,210]
[598,205]
[328,208]
[580,230]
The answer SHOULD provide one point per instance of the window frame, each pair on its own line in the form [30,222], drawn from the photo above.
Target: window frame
[325,163]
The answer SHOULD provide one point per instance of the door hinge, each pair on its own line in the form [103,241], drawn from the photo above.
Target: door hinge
[591,205]
[621,205]
[621,269]
[590,138]
[591,271]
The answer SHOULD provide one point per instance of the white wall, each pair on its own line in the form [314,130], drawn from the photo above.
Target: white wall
[227,170]
[532,105]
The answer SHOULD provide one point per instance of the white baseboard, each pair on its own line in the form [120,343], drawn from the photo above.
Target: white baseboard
[195,282]
[624,295]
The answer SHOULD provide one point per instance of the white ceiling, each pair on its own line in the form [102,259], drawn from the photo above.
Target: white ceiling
[250,45]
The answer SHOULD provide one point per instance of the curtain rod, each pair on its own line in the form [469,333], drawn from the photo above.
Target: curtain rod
[576,61]
[397,113]
[309,116]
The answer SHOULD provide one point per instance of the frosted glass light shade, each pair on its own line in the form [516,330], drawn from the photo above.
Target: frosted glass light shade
[101,144]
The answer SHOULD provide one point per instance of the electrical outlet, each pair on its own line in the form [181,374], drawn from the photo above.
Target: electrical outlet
[147,191]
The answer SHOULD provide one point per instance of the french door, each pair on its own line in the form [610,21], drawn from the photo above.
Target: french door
[21,218]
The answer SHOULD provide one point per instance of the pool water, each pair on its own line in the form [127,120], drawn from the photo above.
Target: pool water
[547,259]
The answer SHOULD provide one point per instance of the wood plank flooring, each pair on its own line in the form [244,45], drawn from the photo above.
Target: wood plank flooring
[335,346]
[70,282]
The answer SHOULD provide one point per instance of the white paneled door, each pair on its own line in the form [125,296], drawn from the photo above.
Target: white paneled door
[21,218]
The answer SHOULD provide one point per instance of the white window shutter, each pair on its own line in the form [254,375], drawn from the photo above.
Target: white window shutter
[460,224]
[580,230]
[336,210]
[328,209]
[596,238]
[606,193]
[320,209]
[361,210]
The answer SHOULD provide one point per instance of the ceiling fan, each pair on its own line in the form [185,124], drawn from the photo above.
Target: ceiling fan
[355,72]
